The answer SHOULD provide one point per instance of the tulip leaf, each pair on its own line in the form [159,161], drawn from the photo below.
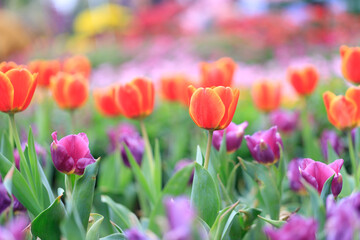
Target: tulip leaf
[72,227]
[205,195]
[20,187]
[83,193]
[140,177]
[243,222]
[47,224]
[199,156]
[115,236]
[230,185]
[223,222]
[326,189]
[275,223]
[310,143]
[94,226]
[120,215]
[174,187]
[5,147]
[158,168]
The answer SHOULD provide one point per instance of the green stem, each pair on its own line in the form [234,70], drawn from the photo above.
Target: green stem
[11,138]
[353,159]
[208,147]
[148,149]
[16,136]
[68,187]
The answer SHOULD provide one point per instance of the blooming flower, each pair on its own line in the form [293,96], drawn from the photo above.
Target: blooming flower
[294,176]
[40,153]
[266,95]
[45,69]
[17,87]
[219,73]
[304,80]
[6,66]
[174,88]
[71,154]
[213,108]
[264,146]
[330,137]
[350,60]
[234,136]
[105,101]
[297,228]
[285,121]
[14,230]
[77,65]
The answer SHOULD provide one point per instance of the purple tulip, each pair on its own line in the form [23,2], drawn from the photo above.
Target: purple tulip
[180,217]
[5,200]
[343,218]
[115,134]
[14,230]
[264,146]
[234,136]
[286,121]
[297,228]
[183,163]
[333,139]
[316,174]
[40,153]
[135,234]
[71,154]
[294,176]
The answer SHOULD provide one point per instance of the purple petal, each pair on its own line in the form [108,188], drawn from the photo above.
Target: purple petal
[61,159]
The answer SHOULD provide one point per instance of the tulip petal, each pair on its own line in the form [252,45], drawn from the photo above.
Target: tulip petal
[105,102]
[82,163]
[320,171]
[129,99]
[146,88]
[62,160]
[226,96]
[6,93]
[354,94]
[76,91]
[76,146]
[336,165]
[31,93]
[206,108]
[22,81]
[328,98]
[350,65]
[344,111]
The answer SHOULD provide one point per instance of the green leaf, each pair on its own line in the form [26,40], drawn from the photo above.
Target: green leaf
[120,215]
[93,232]
[20,187]
[72,227]
[158,168]
[47,224]
[141,179]
[204,195]
[249,215]
[275,223]
[223,222]
[6,148]
[199,156]
[310,143]
[83,193]
[326,189]
[115,236]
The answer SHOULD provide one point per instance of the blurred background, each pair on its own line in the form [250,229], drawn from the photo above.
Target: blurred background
[125,38]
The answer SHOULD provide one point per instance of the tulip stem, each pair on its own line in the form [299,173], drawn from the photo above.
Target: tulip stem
[16,136]
[11,138]
[353,159]
[208,147]
[148,149]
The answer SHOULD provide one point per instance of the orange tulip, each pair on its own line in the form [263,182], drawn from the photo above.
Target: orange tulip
[343,111]
[174,89]
[350,63]
[105,101]
[46,69]
[17,87]
[213,108]
[219,73]
[266,95]
[6,66]
[69,91]
[136,98]
[303,80]
[77,64]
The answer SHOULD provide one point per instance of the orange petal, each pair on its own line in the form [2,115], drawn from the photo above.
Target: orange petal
[146,88]
[311,78]
[6,93]
[226,95]
[22,81]
[206,108]
[31,93]
[343,110]
[129,100]
[57,85]
[328,98]
[350,65]
[76,91]
[343,50]
[296,81]
[354,94]
[105,102]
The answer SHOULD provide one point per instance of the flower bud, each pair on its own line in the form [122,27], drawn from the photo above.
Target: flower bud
[71,154]
[234,136]
[286,121]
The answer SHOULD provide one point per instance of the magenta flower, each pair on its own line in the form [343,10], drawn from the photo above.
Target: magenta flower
[330,137]
[294,176]
[5,200]
[286,121]
[264,146]
[316,174]
[183,163]
[135,234]
[14,230]
[40,153]
[297,228]
[234,136]
[71,154]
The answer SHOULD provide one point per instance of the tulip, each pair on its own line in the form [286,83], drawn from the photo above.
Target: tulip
[317,173]
[115,134]
[264,146]
[71,154]
[304,80]
[17,87]
[219,73]
[330,137]
[174,89]
[15,229]
[350,61]
[7,66]
[5,200]
[77,65]
[234,136]
[105,101]
[135,234]
[294,176]
[343,111]
[343,218]
[285,121]
[69,91]
[45,69]
[182,164]
[40,153]
[266,95]
[136,99]
[297,228]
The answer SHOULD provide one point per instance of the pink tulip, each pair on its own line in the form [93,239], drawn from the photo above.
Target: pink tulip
[71,154]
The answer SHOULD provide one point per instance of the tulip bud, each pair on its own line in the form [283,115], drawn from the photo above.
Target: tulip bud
[234,136]
[264,146]
[71,154]
[291,229]
[285,121]
[330,137]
